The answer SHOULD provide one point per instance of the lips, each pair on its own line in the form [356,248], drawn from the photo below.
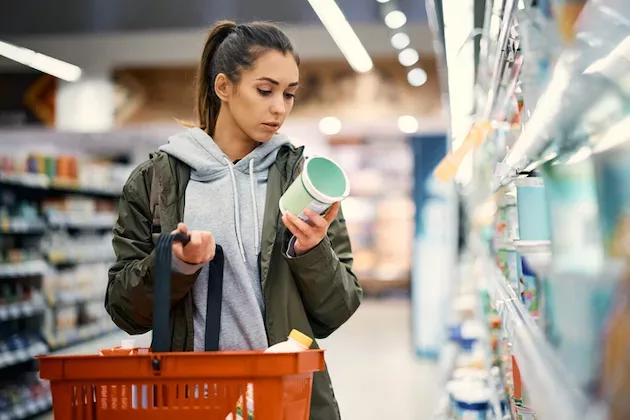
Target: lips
[272,125]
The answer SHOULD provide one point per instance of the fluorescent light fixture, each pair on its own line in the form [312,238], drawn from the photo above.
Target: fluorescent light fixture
[382,1]
[41,62]
[395,19]
[408,124]
[400,40]
[408,57]
[417,77]
[341,32]
[330,126]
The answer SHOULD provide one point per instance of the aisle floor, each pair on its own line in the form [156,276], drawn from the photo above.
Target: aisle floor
[374,371]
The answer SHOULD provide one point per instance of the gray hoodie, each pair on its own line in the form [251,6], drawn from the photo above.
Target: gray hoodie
[228,200]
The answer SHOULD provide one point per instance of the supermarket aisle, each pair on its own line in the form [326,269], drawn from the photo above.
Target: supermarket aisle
[375,374]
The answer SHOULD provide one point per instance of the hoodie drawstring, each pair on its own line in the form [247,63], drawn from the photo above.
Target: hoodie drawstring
[252,184]
[237,216]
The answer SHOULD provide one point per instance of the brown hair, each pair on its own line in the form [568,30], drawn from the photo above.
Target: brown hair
[229,49]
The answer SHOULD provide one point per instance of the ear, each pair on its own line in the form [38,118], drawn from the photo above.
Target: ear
[222,87]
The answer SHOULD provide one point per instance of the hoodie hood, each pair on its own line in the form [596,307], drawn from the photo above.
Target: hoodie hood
[207,161]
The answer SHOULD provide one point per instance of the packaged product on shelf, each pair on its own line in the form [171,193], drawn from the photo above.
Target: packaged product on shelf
[533,216]
[566,13]
[470,399]
[612,166]
[541,45]
[574,212]
[612,172]
[528,287]
[580,305]
[615,383]
[508,262]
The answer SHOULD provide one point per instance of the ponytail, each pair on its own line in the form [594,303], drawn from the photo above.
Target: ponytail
[208,103]
[229,49]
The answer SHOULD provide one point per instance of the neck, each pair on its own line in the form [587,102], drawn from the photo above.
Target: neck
[231,139]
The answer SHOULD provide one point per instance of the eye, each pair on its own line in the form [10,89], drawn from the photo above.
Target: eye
[289,96]
[264,92]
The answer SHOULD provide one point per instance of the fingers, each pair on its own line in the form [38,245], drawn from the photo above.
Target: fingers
[332,213]
[181,227]
[199,250]
[298,227]
[316,220]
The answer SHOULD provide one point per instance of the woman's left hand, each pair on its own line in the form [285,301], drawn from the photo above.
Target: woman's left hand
[309,235]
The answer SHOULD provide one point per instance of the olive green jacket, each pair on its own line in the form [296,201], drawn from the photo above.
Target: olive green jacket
[315,293]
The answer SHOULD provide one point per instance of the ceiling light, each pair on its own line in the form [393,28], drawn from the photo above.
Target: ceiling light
[330,126]
[341,32]
[395,19]
[408,57]
[400,40]
[417,77]
[382,1]
[41,62]
[408,124]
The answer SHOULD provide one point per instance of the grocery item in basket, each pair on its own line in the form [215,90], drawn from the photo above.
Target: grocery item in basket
[321,184]
[296,342]
[533,214]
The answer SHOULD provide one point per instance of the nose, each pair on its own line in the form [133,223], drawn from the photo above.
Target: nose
[278,106]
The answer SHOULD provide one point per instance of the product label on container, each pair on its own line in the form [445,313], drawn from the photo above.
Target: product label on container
[528,288]
[463,414]
[315,206]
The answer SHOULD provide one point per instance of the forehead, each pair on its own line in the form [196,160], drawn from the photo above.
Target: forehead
[276,66]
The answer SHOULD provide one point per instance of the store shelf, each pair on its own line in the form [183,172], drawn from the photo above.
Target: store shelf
[79,335]
[23,269]
[543,373]
[28,409]
[23,229]
[18,310]
[14,357]
[71,297]
[38,183]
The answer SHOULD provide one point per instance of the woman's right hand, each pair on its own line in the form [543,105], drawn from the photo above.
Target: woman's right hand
[199,250]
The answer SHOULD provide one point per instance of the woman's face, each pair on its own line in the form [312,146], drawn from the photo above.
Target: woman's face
[264,96]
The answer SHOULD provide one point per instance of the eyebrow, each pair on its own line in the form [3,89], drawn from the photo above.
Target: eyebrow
[275,82]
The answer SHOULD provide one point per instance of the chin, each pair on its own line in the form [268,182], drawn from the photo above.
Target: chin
[262,137]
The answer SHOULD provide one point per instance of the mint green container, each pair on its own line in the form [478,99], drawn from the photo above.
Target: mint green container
[321,184]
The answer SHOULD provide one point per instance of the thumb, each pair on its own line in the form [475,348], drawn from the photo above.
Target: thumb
[181,227]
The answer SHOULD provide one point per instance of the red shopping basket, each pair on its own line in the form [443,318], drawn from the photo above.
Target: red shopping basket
[154,384]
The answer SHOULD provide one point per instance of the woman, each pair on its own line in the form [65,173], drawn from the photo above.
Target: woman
[220,182]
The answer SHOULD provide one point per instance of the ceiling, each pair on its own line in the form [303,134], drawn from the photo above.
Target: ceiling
[41,17]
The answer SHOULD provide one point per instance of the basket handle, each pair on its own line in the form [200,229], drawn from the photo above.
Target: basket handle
[162,289]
